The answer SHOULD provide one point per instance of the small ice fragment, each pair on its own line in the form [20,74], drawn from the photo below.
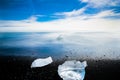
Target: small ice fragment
[40,62]
[72,70]
[59,37]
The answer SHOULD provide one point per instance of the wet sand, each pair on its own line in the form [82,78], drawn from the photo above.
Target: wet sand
[18,68]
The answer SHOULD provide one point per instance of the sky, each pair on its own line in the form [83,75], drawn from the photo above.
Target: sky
[59,15]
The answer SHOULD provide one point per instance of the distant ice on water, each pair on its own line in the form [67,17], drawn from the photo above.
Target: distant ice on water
[72,70]
[40,62]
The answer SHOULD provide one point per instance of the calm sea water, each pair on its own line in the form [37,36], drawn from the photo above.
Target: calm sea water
[92,45]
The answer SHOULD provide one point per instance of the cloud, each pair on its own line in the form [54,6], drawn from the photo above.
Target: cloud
[80,23]
[71,13]
[92,4]
[106,13]
[33,18]
[84,0]
[75,20]
[101,3]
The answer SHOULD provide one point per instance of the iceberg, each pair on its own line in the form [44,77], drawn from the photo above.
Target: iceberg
[72,70]
[40,62]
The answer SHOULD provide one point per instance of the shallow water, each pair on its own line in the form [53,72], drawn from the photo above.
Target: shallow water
[85,45]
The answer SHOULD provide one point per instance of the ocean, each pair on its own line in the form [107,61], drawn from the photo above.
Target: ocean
[101,50]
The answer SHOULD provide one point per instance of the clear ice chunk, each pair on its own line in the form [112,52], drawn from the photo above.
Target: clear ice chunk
[72,70]
[40,62]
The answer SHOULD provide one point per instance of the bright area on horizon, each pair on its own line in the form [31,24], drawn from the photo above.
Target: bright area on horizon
[60,15]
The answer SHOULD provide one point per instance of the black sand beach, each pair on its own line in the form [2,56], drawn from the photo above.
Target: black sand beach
[18,68]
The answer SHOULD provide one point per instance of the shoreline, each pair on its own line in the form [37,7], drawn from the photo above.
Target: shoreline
[18,68]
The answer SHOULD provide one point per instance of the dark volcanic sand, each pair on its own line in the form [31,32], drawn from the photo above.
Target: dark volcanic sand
[18,68]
